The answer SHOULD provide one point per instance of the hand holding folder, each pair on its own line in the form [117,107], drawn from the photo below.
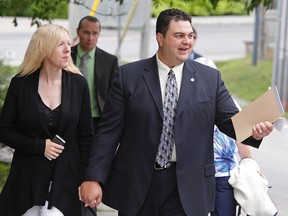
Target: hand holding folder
[267,107]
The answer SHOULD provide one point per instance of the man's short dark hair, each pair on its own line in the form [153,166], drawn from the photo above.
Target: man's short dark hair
[166,16]
[90,19]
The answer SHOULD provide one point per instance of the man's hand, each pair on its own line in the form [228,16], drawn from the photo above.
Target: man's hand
[90,193]
[262,129]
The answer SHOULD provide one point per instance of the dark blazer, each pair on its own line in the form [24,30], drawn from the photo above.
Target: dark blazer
[105,68]
[133,117]
[23,129]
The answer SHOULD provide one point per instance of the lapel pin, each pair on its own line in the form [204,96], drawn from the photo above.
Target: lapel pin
[192,79]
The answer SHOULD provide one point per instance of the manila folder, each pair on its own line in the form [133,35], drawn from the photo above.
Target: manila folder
[267,107]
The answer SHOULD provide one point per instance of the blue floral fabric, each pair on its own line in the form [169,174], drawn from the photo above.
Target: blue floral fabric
[225,150]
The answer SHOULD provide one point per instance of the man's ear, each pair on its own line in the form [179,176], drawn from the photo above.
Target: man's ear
[159,38]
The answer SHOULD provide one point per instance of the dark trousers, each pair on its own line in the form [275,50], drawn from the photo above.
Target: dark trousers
[163,197]
[87,211]
[225,204]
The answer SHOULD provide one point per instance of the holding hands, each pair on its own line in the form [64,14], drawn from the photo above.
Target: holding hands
[90,193]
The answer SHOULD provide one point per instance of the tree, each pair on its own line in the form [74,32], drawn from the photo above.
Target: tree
[250,4]
[40,9]
[44,9]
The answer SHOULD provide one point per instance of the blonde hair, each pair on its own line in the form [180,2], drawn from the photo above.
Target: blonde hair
[43,42]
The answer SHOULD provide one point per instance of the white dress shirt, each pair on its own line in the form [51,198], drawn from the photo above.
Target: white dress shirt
[163,71]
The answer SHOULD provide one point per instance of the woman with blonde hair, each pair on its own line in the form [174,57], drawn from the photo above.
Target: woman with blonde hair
[46,118]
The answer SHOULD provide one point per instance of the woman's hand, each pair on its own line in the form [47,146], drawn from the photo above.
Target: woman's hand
[52,150]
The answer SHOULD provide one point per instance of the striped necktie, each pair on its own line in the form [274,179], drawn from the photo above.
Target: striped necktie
[169,110]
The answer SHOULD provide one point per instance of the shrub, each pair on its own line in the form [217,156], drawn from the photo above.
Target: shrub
[4,170]
[6,73]
[202,8]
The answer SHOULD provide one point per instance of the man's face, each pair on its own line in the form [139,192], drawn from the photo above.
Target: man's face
[177,44]
[88,34]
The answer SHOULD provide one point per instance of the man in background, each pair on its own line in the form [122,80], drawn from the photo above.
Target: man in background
[98,67]
[194,55]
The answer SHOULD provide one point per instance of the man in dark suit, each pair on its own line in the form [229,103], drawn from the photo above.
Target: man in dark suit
[124,161]
[100,68]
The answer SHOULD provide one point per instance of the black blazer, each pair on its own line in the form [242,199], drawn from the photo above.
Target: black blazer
[133,117]
[22,128]
[105,68]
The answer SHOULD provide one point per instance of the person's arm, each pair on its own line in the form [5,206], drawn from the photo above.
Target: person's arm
[259,131]
[244,151]
[10,125]
[105,143]
[227,106]
[85,127]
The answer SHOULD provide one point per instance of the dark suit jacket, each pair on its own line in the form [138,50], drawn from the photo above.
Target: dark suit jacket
[23,129]
[105,68]
[133,117]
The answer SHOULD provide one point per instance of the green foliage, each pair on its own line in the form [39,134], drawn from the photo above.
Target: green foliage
[4,170]
[202,7]
[250,5]
[50,9]
[244,80]
[226,7]
[36,9]
[6,72]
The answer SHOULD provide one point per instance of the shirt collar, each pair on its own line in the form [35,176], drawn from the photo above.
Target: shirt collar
[81,52]
[163,67]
